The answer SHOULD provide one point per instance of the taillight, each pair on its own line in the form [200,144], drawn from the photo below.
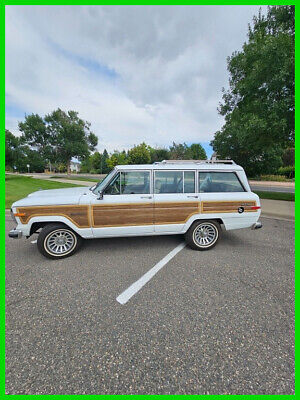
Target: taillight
[255,207]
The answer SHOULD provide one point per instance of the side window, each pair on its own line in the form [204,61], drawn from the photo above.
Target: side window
[189,182]
[135,182]
[214,182]
[168,182]
[114,186]
[132,182]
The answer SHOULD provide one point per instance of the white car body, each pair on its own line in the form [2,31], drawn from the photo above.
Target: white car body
[91,215]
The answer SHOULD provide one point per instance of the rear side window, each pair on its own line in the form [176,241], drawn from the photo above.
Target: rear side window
[168,182]
[174,182]
[215,182]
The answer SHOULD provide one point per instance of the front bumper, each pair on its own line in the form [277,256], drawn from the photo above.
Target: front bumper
[15,234]
[257,225]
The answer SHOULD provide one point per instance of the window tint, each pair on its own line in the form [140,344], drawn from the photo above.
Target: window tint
[212,182]
[132,182]
[189,182]
[168,182]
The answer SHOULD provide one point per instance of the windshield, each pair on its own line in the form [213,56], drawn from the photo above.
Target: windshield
[101,185]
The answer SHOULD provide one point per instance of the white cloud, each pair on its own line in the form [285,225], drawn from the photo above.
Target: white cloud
[135,72]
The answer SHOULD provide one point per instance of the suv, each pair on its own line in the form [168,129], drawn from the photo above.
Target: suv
[194,198]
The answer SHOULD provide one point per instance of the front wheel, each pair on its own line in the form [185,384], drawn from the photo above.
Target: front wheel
[203,235]
[58,241]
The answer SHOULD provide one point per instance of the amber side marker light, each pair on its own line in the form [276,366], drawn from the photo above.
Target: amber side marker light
[19,214]
[255,207]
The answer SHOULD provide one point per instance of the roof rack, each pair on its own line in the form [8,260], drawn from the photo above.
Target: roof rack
[195,162]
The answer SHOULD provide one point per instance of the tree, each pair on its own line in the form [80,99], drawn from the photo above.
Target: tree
[58,136]
[140,154]
[197,152]
[288,157]
[180,151]
[103,166]
[259,105]
[117,158]
[11,148]
[70,135]
[36,135]
[158,154]
[95,160]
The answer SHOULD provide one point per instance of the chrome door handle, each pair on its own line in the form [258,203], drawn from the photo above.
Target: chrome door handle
[195,197]
[146,197]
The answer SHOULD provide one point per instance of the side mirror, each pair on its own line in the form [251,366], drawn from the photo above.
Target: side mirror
[100,195]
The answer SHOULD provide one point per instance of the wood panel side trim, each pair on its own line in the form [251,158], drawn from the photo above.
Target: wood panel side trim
[77,214]
[211,207]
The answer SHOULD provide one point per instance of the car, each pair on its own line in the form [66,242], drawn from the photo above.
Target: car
[194,198]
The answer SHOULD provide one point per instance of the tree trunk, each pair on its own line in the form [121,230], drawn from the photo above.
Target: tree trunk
[68,167]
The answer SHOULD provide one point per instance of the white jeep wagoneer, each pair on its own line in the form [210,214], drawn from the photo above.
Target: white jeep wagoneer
[194,198]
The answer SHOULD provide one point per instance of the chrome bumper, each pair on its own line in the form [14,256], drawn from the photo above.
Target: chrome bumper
[15,234]
[257,225]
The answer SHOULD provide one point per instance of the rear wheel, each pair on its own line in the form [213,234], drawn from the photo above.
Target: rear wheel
[58,241]
[203,235]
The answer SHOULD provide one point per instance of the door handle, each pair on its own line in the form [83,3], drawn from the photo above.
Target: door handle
[146,197]
[195,197]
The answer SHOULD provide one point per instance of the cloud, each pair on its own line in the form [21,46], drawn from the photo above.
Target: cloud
[137,73]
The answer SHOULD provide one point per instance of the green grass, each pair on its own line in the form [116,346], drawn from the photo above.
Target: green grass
[18,187]
[276,195]
[77,178]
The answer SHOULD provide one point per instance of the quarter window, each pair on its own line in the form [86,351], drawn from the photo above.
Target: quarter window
[214,182]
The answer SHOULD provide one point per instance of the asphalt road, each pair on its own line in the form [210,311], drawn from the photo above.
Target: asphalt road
[215,322]
[267,188]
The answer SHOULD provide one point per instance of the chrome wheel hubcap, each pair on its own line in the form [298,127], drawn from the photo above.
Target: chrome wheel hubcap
[205,234]
[60,242]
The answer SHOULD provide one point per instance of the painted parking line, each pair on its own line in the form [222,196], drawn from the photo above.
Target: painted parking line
[136,286]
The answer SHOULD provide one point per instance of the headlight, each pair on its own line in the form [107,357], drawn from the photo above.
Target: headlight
[12,216]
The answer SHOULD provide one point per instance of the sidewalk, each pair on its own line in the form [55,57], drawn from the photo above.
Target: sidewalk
[278,209]
[272,183]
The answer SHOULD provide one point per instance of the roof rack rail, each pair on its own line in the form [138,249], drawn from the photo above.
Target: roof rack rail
[195,162]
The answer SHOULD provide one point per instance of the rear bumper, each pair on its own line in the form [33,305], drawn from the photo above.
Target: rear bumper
[15,234]
[257,225]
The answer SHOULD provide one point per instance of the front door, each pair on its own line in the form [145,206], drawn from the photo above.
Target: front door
[127,206]
[175,200]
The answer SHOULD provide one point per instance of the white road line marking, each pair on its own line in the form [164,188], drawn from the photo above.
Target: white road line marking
[136,286]
[33,241]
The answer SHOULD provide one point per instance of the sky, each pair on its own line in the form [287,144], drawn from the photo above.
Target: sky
[137,73]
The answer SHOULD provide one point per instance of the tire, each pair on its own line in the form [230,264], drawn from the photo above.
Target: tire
[211,232]
[58,241]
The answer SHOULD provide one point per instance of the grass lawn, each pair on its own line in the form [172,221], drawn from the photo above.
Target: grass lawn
[17,187]
[77,178]
[276,195]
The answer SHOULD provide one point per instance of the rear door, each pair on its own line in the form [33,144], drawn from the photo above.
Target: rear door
[126,207]
[175,199]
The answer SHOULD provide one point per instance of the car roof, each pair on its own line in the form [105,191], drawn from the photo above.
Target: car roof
[182,166]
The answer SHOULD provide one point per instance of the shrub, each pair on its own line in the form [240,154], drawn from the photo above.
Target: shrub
[288,172]
[276,178]
[95,171]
